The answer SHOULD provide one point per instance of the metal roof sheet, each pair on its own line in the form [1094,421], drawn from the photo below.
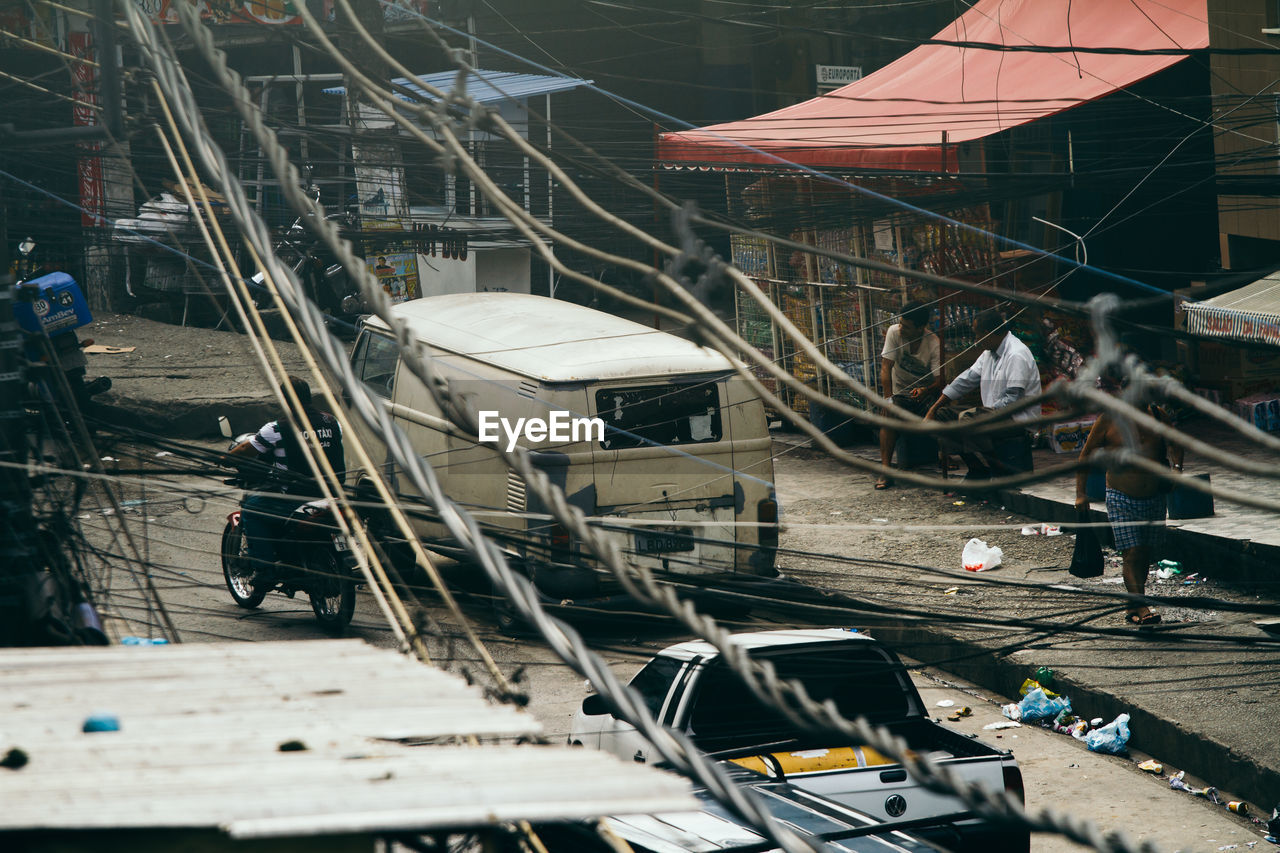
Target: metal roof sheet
[550,339]
[487,87]
[201,726]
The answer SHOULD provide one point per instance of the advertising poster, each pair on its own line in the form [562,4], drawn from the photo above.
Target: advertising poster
[397,273]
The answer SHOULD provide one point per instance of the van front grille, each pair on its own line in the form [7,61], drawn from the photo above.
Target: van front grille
[515,493]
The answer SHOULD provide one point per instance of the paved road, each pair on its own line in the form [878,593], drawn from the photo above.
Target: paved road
[180,527]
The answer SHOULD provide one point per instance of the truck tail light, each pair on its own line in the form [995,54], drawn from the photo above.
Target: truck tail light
[767,515]
[560,538]
[1013,783]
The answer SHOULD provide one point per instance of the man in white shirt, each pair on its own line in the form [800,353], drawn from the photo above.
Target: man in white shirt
[1004,373]
[910,372]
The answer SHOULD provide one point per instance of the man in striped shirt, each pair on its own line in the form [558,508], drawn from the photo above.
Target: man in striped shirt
[288,482]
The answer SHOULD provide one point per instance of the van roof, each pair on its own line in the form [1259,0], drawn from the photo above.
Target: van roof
[549,339]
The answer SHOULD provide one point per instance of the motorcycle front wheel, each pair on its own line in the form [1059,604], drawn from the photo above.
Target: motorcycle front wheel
[237,571]
[330,588]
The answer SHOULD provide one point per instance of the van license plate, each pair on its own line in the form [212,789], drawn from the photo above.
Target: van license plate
[663,541]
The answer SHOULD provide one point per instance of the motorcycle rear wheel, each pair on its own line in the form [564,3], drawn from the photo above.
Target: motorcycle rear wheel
[237,570]
[330,588]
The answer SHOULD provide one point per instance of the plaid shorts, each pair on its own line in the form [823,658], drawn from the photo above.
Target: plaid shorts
[1135,521]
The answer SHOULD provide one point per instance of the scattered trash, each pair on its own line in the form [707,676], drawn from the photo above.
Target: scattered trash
[1002,724]
[966,711]
[957,503]
[1073,766]
[1095,722]
[109,459]
[978,556]
[1238,807]
[1113,580]
[143,641]
[1044,676]
[1031,684]
[1151,766]
[1172,566]
[1036,705]
[1051,530]
[951,590]
[1030,531]
[1112,738]
[1210,793]
[946,703]
[162,454]
[101,722]
[881,520]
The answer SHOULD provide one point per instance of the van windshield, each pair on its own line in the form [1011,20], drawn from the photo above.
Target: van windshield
[647,415]
[374,363]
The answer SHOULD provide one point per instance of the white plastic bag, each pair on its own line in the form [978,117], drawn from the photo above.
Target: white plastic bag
[978,557]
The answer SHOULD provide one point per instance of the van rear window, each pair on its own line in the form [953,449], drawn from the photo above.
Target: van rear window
[647,415]
[374,363]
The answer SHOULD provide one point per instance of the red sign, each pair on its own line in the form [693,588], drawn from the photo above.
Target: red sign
[92,191]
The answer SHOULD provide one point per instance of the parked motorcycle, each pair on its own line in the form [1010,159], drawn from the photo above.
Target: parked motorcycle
[325,568]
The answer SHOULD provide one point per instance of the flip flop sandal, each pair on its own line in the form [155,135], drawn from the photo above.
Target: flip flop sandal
[1148,619]
[883,483]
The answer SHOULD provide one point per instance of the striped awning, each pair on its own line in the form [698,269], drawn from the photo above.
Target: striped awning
[1251,313]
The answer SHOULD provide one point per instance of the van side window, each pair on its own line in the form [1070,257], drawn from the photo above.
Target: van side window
[374,363]
[647,415]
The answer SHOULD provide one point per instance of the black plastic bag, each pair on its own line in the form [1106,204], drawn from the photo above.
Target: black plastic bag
[1086,560]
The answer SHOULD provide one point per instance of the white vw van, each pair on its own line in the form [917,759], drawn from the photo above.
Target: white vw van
[653,436]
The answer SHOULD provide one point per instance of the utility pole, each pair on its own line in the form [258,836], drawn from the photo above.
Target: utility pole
[18,562]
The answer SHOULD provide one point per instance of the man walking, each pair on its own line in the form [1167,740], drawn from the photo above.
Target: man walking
[1135,504]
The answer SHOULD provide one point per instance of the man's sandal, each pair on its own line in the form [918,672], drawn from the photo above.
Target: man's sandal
[1149,618]
[883,483]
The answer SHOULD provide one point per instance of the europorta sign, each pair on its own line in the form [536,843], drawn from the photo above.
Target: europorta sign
[559,428]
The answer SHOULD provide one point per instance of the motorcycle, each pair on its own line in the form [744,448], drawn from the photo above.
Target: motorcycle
[325,570]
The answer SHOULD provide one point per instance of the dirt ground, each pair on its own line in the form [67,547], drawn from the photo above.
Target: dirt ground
[902,546]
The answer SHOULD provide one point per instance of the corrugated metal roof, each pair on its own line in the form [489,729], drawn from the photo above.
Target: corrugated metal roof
[201,727]
[550,339]
[487,87]
[1250,313]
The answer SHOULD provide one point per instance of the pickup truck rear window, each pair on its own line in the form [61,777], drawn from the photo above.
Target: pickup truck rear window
[654,681]
[860,680]
[648,415]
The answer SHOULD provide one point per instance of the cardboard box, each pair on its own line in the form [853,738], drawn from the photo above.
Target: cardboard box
[1221,362]
[1070,436]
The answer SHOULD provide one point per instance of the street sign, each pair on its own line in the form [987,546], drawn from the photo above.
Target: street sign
[833,76]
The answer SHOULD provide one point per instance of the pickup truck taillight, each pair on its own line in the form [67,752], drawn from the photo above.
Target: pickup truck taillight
[767,515]
[560,538]
[1013,783]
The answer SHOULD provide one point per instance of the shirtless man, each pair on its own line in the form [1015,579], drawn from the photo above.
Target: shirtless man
[1135,505]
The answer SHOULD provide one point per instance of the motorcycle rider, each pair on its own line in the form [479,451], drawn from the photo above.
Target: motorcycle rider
[289,482]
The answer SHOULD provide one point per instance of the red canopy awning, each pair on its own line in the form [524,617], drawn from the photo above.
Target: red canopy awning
[896,118]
